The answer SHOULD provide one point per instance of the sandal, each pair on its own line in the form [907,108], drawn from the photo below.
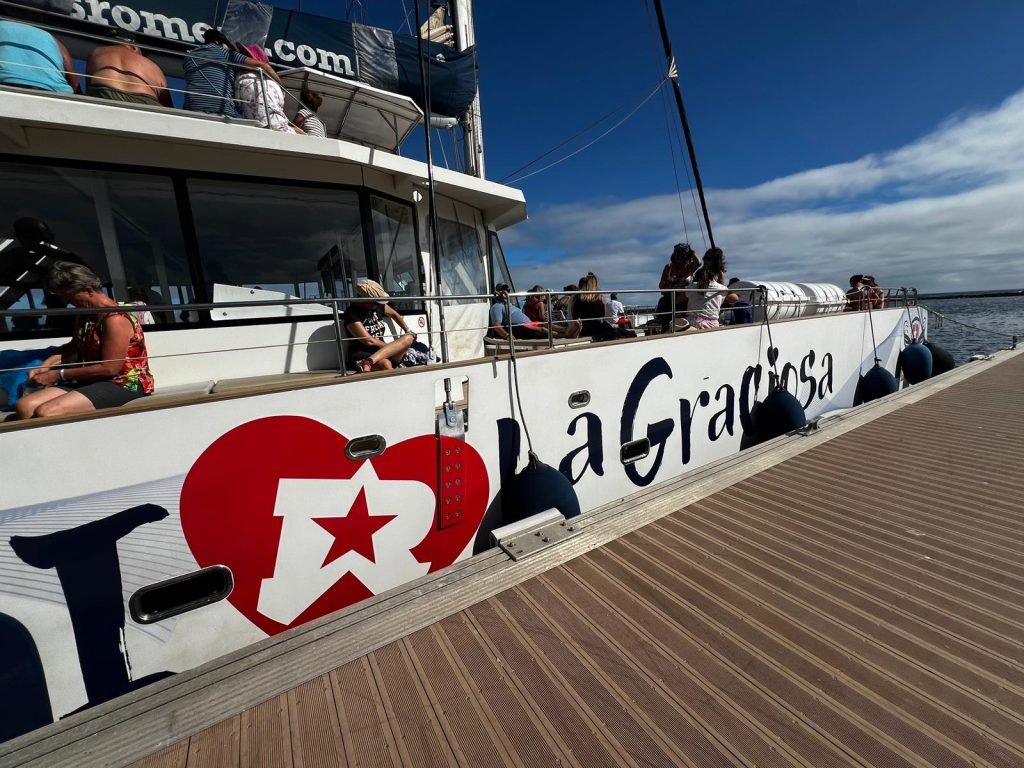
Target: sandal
[364,365]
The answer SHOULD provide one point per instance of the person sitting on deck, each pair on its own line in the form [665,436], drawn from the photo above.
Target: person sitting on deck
[104,365]
[364,321]
[33,58]
[874,296]
[261,99]
[616,310]
[515,323]
[678,273]
[537,310]
[590,307]
[736,309]
[705,306]
[562,309]
[121,72]
[210,75]
[306,118]
[855,296]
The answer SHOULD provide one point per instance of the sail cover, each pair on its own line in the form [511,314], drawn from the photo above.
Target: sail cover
[370,55]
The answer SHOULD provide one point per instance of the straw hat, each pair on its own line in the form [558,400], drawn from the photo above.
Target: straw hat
[371,289]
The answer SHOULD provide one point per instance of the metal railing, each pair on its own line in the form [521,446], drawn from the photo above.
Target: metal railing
[335,306]
[110,40]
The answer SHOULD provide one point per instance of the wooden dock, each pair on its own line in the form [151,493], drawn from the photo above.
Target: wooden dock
[849,597]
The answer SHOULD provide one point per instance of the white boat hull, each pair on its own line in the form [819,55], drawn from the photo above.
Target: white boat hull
[262,484]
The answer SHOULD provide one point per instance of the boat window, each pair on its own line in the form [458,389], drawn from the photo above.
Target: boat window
[125,227]
[499,267]
[462,260]
[276,241]
[395,245]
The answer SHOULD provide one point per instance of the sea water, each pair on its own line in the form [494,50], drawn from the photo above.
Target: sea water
[999,317]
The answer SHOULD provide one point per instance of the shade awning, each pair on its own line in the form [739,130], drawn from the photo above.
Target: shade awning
[356,112]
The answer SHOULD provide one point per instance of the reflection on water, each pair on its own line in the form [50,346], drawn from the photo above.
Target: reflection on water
[1004,314]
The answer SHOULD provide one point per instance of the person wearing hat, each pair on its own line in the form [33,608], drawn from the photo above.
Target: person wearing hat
[121,72]
[364,322]
[210,75]
[260,99]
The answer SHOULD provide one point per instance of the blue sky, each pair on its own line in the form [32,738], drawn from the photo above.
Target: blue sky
[833,138]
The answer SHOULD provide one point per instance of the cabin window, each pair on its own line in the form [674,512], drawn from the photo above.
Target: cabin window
[124,226]
[499,267]
[260,241]
[462,260]
[394,240]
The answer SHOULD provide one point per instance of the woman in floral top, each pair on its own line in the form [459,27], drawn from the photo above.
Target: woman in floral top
[104,365]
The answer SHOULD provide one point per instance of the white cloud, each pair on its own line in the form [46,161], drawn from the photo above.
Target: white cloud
[942,213]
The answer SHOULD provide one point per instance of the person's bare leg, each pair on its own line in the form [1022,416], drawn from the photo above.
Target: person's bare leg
[26,406]
[395,351]
[382,365]
[66,404]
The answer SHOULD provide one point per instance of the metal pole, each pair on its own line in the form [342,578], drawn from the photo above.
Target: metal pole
[472,128]
[431,206]
[338,339]
[547,301]
[672,321]
[673,74]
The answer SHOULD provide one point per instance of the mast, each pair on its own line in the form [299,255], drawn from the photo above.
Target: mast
[472,128]
[435,237]
[673,73]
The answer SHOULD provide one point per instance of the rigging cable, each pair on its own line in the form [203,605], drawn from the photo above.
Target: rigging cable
[407,23]
[562,144]
[946,318]
[670,135]
[594,141]
[435,236]
[515,378]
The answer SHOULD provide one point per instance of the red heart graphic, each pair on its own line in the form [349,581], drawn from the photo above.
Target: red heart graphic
[229,497]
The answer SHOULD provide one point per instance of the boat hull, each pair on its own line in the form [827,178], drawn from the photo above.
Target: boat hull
[266,484]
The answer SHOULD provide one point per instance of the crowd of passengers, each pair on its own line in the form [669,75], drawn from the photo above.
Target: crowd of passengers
[106,364]
[696,287]
[221,78]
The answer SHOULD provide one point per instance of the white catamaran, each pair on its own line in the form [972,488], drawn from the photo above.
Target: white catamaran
[264,485]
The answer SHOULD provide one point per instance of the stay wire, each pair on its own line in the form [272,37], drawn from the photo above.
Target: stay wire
[773,357]
[675,133]
[668,122]
[947,318]
[871,322]
[515,376]
[569,140]
[589,144]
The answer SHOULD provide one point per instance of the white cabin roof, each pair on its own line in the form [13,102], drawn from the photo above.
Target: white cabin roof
[81,128]
[355,111]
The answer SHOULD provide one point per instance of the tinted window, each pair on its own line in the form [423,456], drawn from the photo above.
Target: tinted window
[295,241]
[395,244]
[124,226]
[462,260]
[499,268]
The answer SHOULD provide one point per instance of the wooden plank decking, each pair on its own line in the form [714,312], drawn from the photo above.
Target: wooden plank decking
[850,598]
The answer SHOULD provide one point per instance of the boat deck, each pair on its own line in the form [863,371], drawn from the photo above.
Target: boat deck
[852,596]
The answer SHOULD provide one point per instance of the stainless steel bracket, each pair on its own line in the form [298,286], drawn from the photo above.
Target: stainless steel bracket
[534,534]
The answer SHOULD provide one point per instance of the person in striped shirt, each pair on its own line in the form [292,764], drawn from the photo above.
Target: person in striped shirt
[306,118]
[210,71]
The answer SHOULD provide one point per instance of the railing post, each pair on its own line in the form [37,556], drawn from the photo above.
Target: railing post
[263,97]
[337,337]
[672,321]
[551,338]
[508,319]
